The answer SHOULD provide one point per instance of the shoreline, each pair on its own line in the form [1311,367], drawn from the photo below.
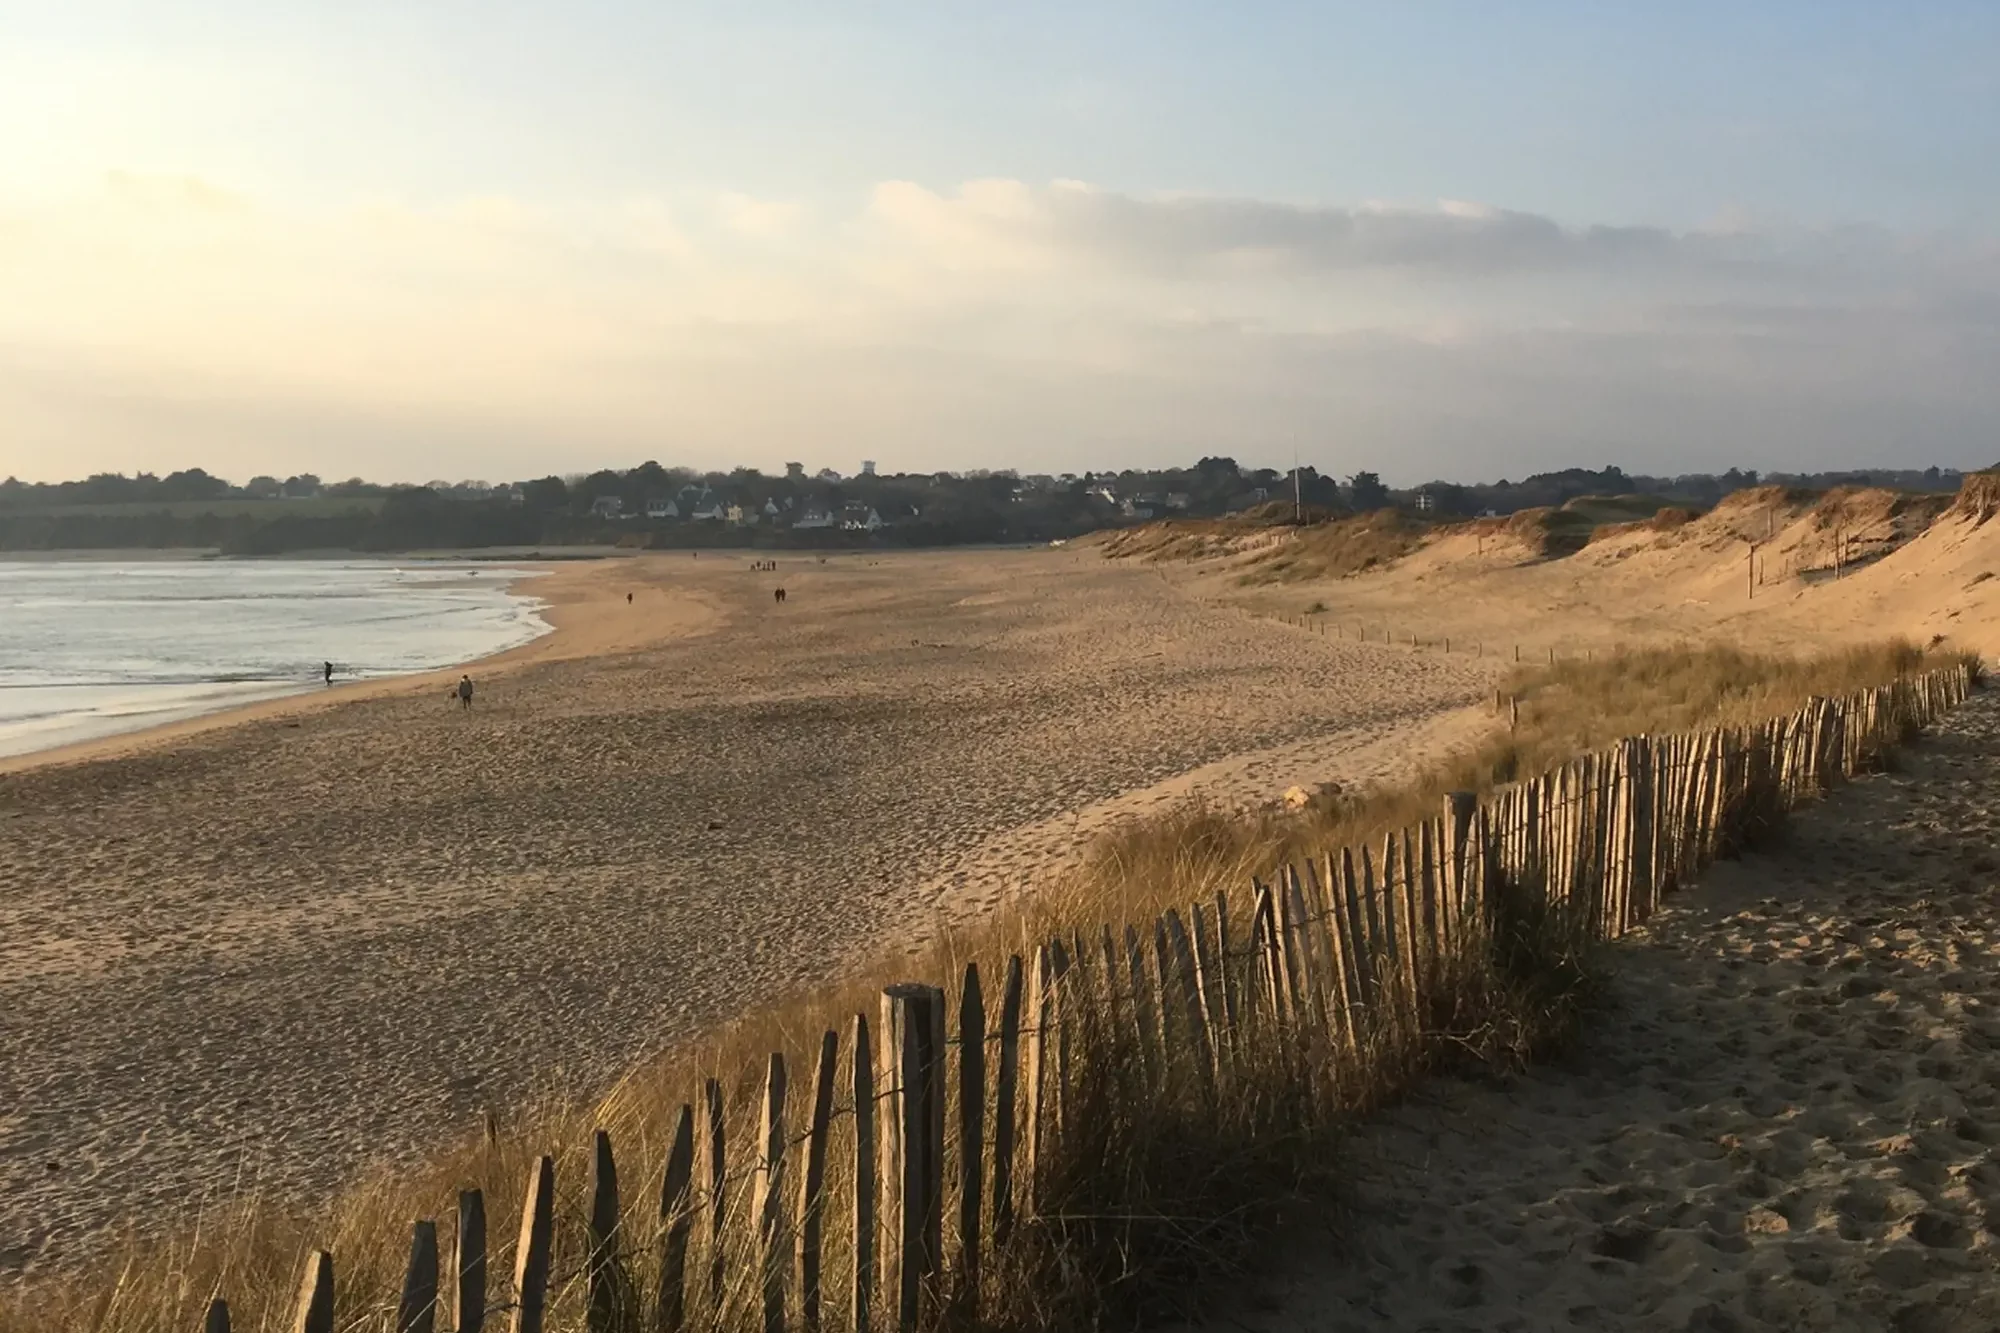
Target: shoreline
[571,595]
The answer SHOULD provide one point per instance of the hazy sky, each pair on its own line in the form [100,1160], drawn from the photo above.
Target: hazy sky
[416,240]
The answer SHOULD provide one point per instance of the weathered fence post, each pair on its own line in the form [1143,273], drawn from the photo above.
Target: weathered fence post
[913,1146]
[812,1190]
[1006,1081]
[416,1310]
[1342,990]
[768,1198]
[971,1132]
[315,1308]
[1458,808]
[1144,1017]
[531,1252]
[716,1187]
[1355,942]
[1208,978]
[862,1088]
[1191,1001]
[469,1263]
[677,1220]
[1042,1017]
[605,1313]
[1223,962]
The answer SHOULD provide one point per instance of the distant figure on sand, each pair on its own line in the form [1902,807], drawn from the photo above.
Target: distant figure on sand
[329,673]
[465,691]
[628,599]
[778,594]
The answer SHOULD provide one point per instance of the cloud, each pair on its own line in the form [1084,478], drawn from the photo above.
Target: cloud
[1000,322]
[1010,224]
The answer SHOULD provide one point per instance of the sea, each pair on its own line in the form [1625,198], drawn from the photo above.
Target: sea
[92,648]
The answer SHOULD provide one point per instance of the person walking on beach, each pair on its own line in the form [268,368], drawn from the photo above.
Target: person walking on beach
[329,673]
[465,692]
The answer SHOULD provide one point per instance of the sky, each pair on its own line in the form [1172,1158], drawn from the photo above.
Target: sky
[1460,240]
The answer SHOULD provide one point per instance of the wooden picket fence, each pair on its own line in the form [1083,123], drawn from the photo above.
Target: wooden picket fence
[940,1127]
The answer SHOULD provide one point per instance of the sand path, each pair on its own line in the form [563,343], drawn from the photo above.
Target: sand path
[286,948]
[1788,1119]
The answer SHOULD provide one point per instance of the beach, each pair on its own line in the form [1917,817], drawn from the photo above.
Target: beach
[269,949]
[103,647]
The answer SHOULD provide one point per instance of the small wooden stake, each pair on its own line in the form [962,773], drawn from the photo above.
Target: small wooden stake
[768,1198]
[971,1132]
[716,1182]
[531,1252]
[862,1087]
[913,1149]
[416,1311]
[677,1220]
[1005,1083]
[469,1262]
[1190,986]
[812,1191]
[605,1314]
[315,1309]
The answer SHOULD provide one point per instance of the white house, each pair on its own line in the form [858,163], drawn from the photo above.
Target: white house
[607,506]
[814,517]
[860,518]
[662,509]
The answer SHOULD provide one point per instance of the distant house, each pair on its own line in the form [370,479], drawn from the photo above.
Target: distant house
[741,516]
[704,506]
[1133,509]
[662,509]
[815,516]
[1178,499]
[607,506]
[771,509]
[860,518]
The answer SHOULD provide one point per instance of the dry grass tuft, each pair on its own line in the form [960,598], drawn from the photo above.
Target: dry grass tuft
[1568,709]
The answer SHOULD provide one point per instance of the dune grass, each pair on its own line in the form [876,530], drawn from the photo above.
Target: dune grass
[1147,1197]
[1567,709]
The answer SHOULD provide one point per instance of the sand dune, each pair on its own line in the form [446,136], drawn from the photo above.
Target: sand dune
[1910,570]
[279,949]
[1787,1118]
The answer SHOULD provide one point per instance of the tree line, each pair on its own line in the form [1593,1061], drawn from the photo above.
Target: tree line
[661,507]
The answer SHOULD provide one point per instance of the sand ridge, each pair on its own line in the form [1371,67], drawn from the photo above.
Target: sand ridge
[289,946]
[1787,1118]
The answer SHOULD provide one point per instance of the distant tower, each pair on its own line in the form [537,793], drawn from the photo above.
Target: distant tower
[867,467]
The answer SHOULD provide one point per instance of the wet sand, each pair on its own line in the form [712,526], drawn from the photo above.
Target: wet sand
[276,948]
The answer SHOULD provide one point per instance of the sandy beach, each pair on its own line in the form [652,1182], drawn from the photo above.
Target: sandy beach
[1786,1117]
[273,948]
